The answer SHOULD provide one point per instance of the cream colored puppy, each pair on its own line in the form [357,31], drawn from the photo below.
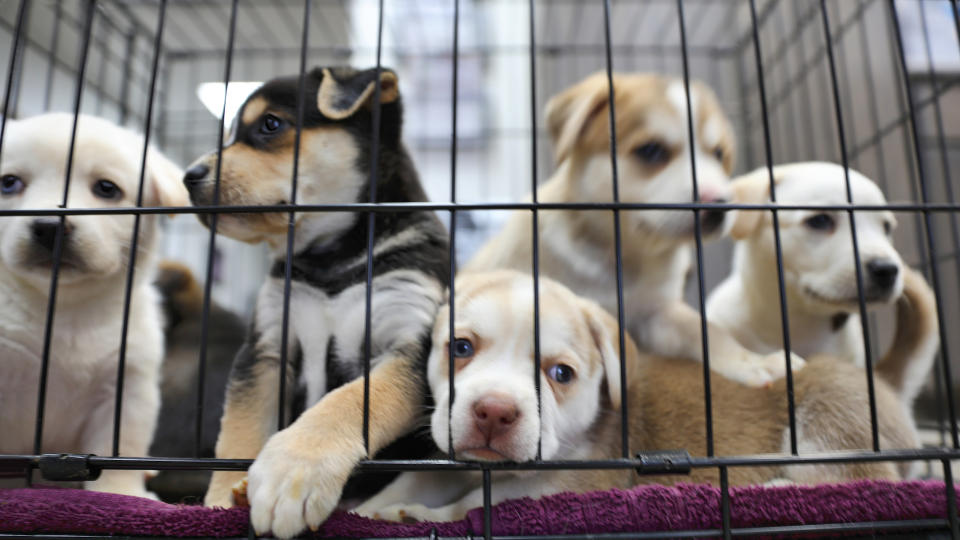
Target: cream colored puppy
[819,270]
[494,416]
[85,341]
[653,161]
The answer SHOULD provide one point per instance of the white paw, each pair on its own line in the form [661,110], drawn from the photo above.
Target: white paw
[295,483]
[406,513]
[779,482]
[122,482]
[762,370]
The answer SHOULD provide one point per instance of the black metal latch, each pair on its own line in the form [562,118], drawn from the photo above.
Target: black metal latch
[68,467]
[664,462]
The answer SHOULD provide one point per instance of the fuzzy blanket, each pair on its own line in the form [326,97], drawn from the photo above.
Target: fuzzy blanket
[643,508]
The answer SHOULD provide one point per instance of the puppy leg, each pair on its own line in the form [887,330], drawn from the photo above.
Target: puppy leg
[298,478]
[675,331]
[140,407]
[430,488]
[249,418]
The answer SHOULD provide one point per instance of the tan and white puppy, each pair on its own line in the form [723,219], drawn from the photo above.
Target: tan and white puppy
[494,414]
[577,248]
[89,306]
[819,270]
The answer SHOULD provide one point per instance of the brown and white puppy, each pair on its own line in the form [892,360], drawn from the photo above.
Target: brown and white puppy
[577,248]
[494,415]
[301,471]
[88,318]
[819,271]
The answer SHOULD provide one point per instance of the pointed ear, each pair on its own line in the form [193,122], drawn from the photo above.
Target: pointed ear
[606,337]
[751,188]
[571,112]
[166,180]
[343,91]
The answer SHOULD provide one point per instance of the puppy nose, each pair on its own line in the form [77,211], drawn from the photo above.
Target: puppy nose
[494,415]
[883,272]
[195,174]
[710,220]
[44,231]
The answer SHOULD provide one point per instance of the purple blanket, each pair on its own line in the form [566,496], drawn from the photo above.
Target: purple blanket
[644,508]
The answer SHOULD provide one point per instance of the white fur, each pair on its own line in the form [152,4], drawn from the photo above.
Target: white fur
[86,330]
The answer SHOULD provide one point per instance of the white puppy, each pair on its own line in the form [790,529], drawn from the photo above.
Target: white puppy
[88,313]
[495,416]
[819,269]
[577,248]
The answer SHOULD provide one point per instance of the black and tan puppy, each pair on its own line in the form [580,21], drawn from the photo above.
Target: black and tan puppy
[300,472]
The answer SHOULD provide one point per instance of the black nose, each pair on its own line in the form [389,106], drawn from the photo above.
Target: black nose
[883,272]
[713,218]
[44,231]
[195,175]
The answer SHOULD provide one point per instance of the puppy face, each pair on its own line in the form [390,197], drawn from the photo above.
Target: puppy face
[818,258]
[653,159]
[105,173]
[257,162]
[494,415]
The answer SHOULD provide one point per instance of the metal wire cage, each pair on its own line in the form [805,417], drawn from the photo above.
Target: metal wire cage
[869,84]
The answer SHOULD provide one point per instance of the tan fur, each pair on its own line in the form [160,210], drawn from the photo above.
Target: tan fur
[916,324]
[666,409]
[330,91]
[178,280]
[253,109]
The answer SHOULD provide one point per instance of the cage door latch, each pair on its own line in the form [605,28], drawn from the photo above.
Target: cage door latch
[664,462]
[67,467]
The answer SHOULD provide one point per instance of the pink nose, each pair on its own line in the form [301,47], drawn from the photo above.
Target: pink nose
[494,415]
[712,197]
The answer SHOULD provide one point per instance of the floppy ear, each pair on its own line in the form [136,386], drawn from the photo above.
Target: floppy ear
[166,180]
[570,113]
[343,91]
[751,188]
[606,337]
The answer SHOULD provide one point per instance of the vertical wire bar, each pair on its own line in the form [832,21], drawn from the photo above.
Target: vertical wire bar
[15,49]
[51,56]
[291,220]
[874,107]
[725,493]
[535,221]
[853,227]
[125,81]
[374,176]
[18,66]
[453,220]
[705,340]
[847,95]
[101,69]
[135,240]
[791,101]
[487,508]
[624,418]
[211,245]
[951,499]
[928,225]
[778,250]
[58,240]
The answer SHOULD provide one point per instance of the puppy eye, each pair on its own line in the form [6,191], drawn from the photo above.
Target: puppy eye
[462,348]
[106,189]
[561,373]
[11,184]
[718,153]
[887,228]
[821,222]
[271,124]
[652,153]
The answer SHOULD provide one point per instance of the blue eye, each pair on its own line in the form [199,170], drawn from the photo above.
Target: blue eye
[653,153]
[561,373]
[11,184]
[462,348]
[820,222]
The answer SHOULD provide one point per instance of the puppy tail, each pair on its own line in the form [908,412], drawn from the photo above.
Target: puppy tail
[182,295]
[907,363]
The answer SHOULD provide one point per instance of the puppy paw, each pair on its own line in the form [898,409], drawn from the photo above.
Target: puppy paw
[221,491]
[762,370]
[297,480]
[404,513]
